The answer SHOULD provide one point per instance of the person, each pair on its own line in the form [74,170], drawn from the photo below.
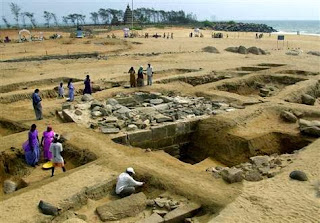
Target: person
[36,101]
[87,86]
[132,73]
[61,90]
[149,74]
[140,80]
[71,90]
[56,149]
[31,147]
[46,141]
[126,184]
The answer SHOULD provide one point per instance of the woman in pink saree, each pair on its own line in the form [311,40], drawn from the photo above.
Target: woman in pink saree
[46,141]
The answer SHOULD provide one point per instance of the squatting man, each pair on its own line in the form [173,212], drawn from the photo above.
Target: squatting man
[126,184]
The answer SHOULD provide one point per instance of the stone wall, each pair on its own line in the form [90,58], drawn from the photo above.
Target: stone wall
[169,137]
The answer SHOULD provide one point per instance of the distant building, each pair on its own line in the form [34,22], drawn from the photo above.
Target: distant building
[127,19]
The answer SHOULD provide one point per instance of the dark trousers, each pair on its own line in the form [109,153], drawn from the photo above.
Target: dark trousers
[127,191]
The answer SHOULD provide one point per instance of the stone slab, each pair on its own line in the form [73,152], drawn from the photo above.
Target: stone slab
[179,214]
[154,218]
[122,208]
[140,136]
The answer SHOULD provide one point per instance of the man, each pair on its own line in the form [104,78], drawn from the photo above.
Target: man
[56,149]
[36,101]
[149,74]
[126,184]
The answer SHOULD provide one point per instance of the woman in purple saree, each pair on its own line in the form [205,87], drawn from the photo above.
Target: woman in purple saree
[46,141]
[31,147]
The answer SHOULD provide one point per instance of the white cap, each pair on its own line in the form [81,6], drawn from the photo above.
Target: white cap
[57,136]
[130,170]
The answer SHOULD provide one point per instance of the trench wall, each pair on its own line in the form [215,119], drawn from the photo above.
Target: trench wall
[168,137]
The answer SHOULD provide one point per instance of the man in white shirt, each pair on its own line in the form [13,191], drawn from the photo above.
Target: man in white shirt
[149,74]
[56,149]
[126,184]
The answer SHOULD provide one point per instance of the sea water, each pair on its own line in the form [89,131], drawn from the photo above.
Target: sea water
[305,27]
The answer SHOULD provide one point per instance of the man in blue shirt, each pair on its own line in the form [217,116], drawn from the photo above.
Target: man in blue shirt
[36,102]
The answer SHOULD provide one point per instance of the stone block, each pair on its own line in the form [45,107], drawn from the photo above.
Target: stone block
[140,136]
[181,128]
[179,214]
[144,145]
[123,139]
[159,132]
[66,105]
[183,138]
[122,208]
[171,129]
[154,218]
[165,142]
[67,116]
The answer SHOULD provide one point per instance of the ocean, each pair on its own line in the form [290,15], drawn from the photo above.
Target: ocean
[307,27]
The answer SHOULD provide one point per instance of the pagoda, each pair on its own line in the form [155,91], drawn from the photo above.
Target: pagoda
[127,19]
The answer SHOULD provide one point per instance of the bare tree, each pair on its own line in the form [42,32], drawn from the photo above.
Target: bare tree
[31,18]
[23,17]
[47,16]
[6,22]
[15,9]
[94,17]
[65,19]
[55,19]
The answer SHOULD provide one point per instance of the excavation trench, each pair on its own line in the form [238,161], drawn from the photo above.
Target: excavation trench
[267,84]
[8,127]
[14,167]
[34,84]
[192,142]
[204,79]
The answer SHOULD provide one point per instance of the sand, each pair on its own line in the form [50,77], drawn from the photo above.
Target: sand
[273,200]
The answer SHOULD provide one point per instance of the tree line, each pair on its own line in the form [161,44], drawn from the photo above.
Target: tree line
[102,16]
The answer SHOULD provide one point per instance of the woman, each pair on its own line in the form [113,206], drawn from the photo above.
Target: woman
[132,73]
[61,90]
[87,86]
[46,141]
[56,149]
[140,81]
[71,90]
[31,147]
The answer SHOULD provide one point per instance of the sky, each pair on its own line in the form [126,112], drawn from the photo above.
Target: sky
[204,9]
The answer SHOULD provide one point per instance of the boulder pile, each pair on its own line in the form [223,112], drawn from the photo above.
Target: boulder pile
[131,112]
[244,50]
[257,169]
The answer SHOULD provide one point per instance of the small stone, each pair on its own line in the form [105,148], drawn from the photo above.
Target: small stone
[156,101]
[96,114]
[66,105]
[106,130]
[87,97]
[9,186]
[112,102]
[288,117]
[150,203]
[48,209]
[96,103]
[298,175]
[253,175]
[161,118]
[260,161]
[110,119]
[232,175]
[307,99]
[132,127]
[148,150]
[78,112]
